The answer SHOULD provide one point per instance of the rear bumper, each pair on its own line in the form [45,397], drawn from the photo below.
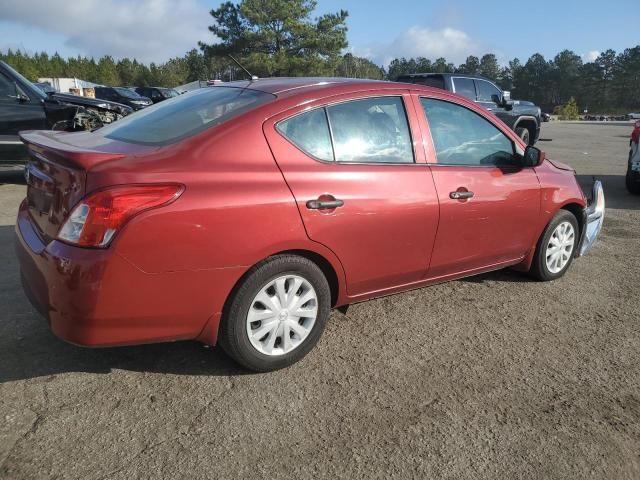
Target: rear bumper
[95,297]
[593,218]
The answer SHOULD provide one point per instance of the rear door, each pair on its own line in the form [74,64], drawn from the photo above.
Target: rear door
[488,203]
[361,186]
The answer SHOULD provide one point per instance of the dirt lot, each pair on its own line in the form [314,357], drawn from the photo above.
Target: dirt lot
[491,377]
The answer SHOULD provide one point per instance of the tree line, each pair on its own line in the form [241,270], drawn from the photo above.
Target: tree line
[282,39]
[608,84]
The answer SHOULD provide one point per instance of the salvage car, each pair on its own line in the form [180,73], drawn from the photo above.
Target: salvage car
[156,94]
[240,215]
[24,106]
[123,95]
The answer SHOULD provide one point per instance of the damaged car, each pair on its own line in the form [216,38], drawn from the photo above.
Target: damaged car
[24,106]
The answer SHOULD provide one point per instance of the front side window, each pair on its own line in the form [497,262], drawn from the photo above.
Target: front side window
[184,116]
[7,89]
[310,133]
[486,90]
[464,86]
[462,137]
[371,130]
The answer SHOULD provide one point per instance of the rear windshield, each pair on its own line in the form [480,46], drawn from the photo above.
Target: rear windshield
[184,116]
[430,81]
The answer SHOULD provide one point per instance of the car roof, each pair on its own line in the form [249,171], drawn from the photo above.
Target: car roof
[287,86]
[435,74]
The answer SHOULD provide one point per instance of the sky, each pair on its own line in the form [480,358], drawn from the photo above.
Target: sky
[156,30]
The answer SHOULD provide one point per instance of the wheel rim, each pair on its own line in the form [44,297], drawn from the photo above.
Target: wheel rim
[560,247]
[282,315]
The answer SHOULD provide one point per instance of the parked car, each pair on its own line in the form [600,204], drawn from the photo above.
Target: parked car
[241,214]
[633,116]
[632,178]
[123,95]
[23,106]
[522,116]
[156,94]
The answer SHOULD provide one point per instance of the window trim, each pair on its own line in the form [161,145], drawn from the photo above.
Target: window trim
[324,106]
[515,147]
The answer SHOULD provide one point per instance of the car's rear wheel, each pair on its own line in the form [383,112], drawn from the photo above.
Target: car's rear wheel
[556,248]
[524,134]
[277,314]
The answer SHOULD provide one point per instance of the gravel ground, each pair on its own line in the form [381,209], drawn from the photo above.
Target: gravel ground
[490,377]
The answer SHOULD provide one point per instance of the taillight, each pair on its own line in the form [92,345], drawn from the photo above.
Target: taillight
[97,218]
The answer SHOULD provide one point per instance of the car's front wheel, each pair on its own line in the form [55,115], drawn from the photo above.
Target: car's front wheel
[277,314]
[556,247]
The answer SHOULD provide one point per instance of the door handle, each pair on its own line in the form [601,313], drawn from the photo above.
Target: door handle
[324,204]
[461,195]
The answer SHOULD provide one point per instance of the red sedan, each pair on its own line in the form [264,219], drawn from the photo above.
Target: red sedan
[241,214]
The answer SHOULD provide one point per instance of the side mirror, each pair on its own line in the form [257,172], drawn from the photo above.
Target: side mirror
[20,96]
[533,156]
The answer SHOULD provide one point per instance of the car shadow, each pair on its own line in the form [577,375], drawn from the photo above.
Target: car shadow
[28,349]
[12,176]
[504,275]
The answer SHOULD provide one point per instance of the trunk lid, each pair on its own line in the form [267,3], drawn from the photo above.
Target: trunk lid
[56,173]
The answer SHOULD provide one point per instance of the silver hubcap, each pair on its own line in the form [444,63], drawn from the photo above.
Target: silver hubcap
[282,315]
[560,247]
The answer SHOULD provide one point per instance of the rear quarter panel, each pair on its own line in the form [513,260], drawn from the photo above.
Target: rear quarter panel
[235,211]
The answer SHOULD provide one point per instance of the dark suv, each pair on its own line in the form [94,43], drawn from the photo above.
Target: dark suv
[523,117]
[123,95]
[156,94]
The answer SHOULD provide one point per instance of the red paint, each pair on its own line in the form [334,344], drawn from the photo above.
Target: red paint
[168,271]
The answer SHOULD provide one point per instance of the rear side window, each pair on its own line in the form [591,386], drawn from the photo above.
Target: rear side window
[184,116]
[464,87]
[462,137]
[372,130]
[310,133]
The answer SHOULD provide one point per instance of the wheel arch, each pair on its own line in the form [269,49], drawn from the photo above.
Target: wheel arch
[576,209]
[529,123]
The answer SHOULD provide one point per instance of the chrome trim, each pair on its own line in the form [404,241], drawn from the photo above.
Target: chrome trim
[593,216]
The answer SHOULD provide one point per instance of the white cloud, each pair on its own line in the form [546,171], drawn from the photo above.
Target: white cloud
[591,56]
[148,30]
[450,43]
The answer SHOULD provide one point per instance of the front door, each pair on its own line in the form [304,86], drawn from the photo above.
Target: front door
[16,115]
[487,200]
[360,186]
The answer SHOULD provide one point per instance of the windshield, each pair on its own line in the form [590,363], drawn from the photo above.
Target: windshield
[125,92]
[169,92]
[185,115]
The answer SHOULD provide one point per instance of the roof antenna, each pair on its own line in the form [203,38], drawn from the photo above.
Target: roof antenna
[252,77]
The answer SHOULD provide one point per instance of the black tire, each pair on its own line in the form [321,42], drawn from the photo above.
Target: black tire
[539,269]
[633,186]
[524,134]
[233,336]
